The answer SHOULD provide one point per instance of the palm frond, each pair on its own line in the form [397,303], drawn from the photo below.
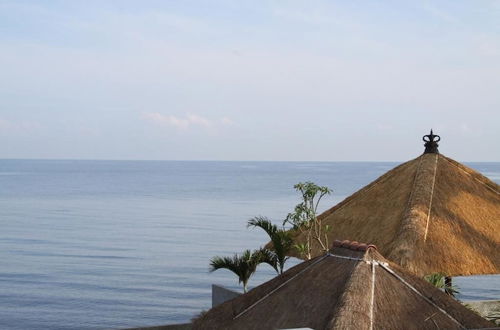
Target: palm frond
[264,223]
[229,263]
[244,265]
[268,257]
[439,281]
[280,239]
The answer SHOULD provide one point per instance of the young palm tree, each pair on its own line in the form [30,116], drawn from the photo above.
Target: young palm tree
[244,265]
[282,242]
[439,281]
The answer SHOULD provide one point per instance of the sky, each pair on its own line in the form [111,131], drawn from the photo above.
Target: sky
[249,80]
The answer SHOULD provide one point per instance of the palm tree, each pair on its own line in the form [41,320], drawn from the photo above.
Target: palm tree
[282,242]
[243,265]
[440,282]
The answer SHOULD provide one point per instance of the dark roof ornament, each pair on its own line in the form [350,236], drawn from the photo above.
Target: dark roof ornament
[431,143]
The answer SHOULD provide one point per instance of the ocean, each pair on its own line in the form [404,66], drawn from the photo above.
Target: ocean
[115,244]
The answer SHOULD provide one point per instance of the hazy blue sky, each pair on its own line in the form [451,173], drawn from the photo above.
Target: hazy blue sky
[249,80]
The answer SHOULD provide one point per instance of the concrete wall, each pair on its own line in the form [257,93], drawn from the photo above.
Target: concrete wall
[484,307]
[221,294]
[184,326]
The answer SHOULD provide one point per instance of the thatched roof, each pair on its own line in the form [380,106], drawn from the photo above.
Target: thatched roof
[431,214]
[351,287]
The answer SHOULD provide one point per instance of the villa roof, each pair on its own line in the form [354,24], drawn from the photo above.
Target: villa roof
[431,214]
[350,287]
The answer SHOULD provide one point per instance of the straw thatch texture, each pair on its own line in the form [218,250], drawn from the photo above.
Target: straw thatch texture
[462,233]
[291,308]
[413,224]
[330,292]
[429,215]
[379,205]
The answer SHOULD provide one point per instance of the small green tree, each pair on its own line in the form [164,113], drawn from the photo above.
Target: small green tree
[304,218]
[439,281]
[244,265]
[280,238]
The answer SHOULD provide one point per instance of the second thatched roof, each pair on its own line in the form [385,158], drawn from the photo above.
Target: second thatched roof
[431,214]
[350,287]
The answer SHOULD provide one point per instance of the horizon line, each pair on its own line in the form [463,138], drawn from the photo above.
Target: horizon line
[229,160]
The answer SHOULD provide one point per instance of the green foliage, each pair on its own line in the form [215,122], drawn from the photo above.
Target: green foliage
[439,281]
[269,257]
[302,249]
[244,265]
[304,217]
[282,242]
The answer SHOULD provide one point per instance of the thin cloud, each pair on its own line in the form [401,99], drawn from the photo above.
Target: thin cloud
[198,120]
[189,121]
[18,127]
[167,120]
[226,121]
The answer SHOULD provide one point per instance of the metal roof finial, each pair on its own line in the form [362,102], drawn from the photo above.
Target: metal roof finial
[431,143]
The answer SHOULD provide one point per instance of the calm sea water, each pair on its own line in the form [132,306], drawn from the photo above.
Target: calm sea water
[113,244]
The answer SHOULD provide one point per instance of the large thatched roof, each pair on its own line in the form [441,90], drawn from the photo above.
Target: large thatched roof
[351,287]
[431,214]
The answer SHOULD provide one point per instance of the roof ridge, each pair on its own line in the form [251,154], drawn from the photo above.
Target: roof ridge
[415,221]
[431,197]
[341,307]
[420,294]
[353,245]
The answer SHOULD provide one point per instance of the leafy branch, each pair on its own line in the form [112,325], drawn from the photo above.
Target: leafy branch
[304,217]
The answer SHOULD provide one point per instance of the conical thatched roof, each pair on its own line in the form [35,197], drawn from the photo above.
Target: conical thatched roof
[431,214]
[351,287]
